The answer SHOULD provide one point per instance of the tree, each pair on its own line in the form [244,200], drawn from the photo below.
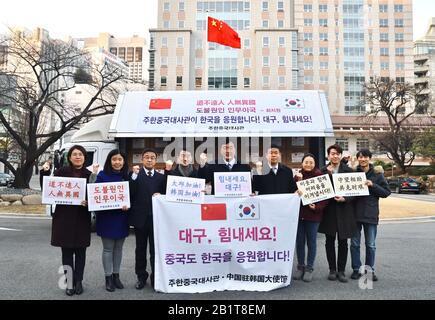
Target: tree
[425,144]
[37,73]
[394,106]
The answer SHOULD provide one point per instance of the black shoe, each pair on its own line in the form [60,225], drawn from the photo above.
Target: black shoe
[341,277]
[355,275]
[70,292]
[118,284]
[78,288]
[110,286]
[332,275]
[140,284]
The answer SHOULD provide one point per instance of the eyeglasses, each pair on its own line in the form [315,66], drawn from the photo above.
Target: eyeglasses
[149,158]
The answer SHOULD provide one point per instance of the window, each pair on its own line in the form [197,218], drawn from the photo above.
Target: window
[383,8]
[198,82]
[281,61]
[323,36]
[323,65]
[308,51]
[281,81]
[265,5]
[383,37]
[398,23]
[265,23]
[181,6]
[179,81]
[166,24]
[198,63]
[180,42]
[399,37]
[164,42]
[398,8]
[400,66]
[362,144]
[383,23]
[179,60]
[265,41]
[308,22]
[308,79]
[385,65]
[181,24]
[308,36]
[323,22]
[400,79]
[281,41]
[343,143]
[400,51]
[247,62]
[323,51]
[265,61]
[280,5]
[246,82]
[323,79]
[198,44]
[265,81]
[166,6]
[384,51]
[247,43]
[308,65]
[323,7]
[164,61]
[280,23]
[308,8]
[163,81]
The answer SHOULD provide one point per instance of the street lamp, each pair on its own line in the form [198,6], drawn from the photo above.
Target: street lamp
[392,169]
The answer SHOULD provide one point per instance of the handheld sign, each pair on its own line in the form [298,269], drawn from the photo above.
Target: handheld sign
[185,190]
[316,189]
[350,184]
[108,196]
[232,184]
[63,190]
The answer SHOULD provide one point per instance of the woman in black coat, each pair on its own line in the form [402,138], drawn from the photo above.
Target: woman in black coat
[71,226]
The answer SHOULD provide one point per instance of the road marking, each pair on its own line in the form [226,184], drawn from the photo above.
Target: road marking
[7,229]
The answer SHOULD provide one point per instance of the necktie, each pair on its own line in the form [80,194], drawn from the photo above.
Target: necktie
[150,174]
[229,166]
[273,170]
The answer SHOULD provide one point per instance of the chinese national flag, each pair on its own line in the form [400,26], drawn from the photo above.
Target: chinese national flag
[220,32]
[159,104]
[215,211]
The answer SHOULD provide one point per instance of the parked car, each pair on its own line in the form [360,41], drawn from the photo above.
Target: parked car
[401,184]
[6,179]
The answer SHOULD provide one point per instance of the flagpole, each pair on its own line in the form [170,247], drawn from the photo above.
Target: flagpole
[206,53]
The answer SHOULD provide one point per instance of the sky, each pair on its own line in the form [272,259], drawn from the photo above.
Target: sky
[125,18]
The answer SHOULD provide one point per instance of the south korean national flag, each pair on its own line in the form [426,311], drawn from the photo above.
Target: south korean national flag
[248,210]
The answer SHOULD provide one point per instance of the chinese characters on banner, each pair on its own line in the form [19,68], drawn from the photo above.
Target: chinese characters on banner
[350,184]
[232,184]
[108,196]
[63,190]
[316,189]
[186,190]
[225,244]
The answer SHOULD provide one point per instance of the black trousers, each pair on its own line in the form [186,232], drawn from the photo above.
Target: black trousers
[75,258]
[334,264]
[144,236]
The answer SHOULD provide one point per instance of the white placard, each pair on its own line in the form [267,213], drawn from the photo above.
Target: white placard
[316,189]
[232,184]
[225,244]
[297,156]
[185,190]
[108,196]
[63,190]
[350,184]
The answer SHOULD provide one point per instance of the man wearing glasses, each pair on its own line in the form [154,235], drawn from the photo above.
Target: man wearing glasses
[143,186]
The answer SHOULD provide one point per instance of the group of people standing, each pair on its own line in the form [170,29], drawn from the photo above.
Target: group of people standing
[340,218]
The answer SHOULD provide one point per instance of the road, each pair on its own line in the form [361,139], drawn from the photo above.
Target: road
[419,197]
[29,268]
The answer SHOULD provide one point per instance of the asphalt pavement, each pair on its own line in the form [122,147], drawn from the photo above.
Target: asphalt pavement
[29,268]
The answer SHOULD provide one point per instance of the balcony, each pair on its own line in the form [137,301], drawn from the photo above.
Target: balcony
[421,80]
[421,69]
[421,57]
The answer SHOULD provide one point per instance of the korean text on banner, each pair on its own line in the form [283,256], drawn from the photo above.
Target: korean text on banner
[350,184]
[108,196]
[185,190]
[63,190]
[316,189]
[225,244]
[232,184]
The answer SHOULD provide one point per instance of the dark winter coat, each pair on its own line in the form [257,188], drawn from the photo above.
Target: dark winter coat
[367,208]
[305,212]
[71,225]
[271,183]
[112,224]
[338,217]
[176,172]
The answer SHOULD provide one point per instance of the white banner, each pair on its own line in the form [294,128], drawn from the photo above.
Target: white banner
[108,196]
[63,190]
[316,189]
[350,184]
[232,184]
[185,190]
[225,244]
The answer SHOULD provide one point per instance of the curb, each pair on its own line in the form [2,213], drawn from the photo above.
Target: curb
[407,219]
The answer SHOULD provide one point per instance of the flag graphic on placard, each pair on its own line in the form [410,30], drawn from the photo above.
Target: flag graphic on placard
[213,211]
[160,104]
[248,210]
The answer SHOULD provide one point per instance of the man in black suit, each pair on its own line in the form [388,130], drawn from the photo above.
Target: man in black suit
[228,163]
[184,167]
[276,177]
[143,186]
